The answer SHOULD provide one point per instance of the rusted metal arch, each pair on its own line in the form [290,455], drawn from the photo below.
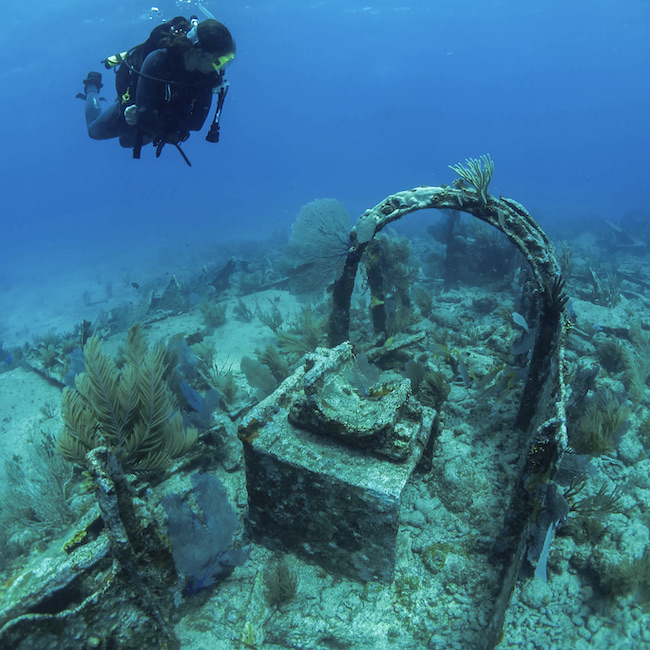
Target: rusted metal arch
[508,216]
[542,408]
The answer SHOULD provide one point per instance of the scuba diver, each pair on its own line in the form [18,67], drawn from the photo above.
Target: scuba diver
[164,86]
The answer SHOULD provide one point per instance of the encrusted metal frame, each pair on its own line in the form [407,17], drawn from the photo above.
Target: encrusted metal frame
[542,407]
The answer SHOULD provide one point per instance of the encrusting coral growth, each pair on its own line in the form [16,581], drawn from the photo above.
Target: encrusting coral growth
[131,410]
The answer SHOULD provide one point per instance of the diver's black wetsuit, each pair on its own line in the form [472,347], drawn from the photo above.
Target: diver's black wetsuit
[170,102]
[110,123]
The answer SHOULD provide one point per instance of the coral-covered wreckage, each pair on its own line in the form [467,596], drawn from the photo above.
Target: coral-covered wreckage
[327,455]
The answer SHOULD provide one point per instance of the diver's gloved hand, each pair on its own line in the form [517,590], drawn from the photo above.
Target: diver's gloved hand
[129,115]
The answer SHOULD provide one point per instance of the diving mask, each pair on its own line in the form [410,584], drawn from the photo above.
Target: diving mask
[222,60]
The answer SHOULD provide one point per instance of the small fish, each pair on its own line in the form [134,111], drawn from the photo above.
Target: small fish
[135,285]
[489,377]
[463,370]
[520,320]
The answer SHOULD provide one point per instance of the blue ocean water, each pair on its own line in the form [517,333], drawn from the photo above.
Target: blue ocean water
[336,98]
